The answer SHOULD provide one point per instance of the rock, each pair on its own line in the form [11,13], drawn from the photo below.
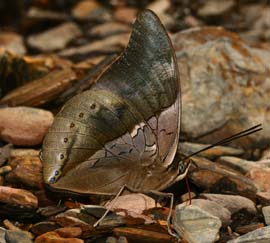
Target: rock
[74,218]
[261,177]
[69,232]
[216,8]
[244,229]
[2,235]
[2,180]
[111,44]
[85,10]
[132,203]
[31,129]
[19,197]
[45,14]
[44,227]
[125,14]
[42,90]
[214,209]
[261,235]
[219,179]
[26,170]
[216,67]
[108,29]
[233,203]
[12,42]
[266,214]
[196,225]
[55,38]
[212,153]
[263,197]
[53,237]
[16,236]
[24,153]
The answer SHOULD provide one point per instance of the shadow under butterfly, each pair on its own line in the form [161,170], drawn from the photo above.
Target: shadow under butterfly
[125,129]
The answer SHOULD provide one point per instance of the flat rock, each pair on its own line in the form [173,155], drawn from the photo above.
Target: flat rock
[55,38]
[44,227]
[19,197]
[24,125]
[12,42]
[266,214]
[233,203]
[26,170]
[196,225]
[54,237]
[219,179]
[214,209]
[17,236]
[216,8]
[261,235]
[2,235]
[69,232]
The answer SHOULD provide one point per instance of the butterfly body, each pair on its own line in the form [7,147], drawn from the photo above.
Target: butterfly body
[125,129]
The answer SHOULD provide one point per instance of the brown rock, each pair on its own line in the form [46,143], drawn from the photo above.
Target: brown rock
[5,169]
[216,7]
[125,14]
[12,42]
[18,197]
[69,232]
[55,38]
[26,170]
[220,179]
[42,90]
[53,237]
[84,9]
[44,227]
[261,177]
[24,125]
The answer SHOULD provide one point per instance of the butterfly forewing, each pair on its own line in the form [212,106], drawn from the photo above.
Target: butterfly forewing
[125,129]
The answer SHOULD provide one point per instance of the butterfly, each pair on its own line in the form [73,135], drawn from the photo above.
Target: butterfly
[125,129]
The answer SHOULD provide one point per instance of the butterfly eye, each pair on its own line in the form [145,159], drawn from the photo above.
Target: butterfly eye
[182,167]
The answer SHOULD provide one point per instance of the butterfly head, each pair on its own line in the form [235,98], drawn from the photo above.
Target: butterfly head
[183,167]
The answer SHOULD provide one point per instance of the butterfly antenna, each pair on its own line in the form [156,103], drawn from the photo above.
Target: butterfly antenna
[229,139]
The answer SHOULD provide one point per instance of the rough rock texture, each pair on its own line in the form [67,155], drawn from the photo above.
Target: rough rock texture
[222,79]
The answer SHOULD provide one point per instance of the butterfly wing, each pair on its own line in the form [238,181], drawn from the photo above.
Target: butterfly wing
[126,125]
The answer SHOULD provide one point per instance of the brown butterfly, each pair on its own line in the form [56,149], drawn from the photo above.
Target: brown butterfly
[125,129]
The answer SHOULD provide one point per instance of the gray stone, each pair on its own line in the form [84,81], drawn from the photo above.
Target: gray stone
[261,235]
[214,209]
[196,225]
[16,236]
[233,203]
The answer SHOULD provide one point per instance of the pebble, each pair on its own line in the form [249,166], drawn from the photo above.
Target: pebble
[31,129]
[261,235]
[196,225]
[26,170]
[12,42]
[214,209]
[233,203]
[19,197]
[54,237]
[216,8]
[55,38]
[266,214]
[2,235]
[69,232]
[17,236]
[44,227]
[261,178]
